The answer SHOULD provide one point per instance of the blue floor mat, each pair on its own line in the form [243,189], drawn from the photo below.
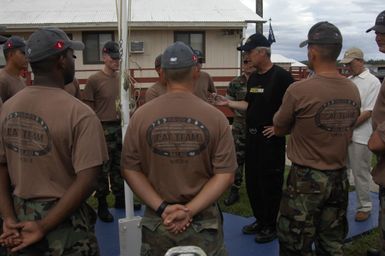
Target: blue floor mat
[236,242]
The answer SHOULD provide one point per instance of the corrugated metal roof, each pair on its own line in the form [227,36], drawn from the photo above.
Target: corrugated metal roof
[40,12]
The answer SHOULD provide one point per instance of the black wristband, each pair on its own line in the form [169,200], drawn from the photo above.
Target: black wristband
[161,208]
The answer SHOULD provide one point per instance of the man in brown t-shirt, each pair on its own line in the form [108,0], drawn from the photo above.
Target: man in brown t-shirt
[178,157]
[204,85]
[159,87]
[47,158]
[376,142]
[73,88]
[320,114]
[101,93]
[10,80]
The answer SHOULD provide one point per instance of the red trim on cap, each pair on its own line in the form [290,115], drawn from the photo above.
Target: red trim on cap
[59,44]
[194,58]
[10,45]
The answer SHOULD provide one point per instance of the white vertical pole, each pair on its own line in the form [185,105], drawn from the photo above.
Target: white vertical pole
[129,228]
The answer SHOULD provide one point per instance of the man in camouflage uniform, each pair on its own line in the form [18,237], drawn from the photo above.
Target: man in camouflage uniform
[101,93]
[320,113]
[49,165]
[179,160]
[237,90]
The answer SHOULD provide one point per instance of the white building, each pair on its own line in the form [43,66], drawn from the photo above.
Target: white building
[215,27]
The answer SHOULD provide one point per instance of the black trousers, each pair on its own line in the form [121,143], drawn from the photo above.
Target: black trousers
[264,168]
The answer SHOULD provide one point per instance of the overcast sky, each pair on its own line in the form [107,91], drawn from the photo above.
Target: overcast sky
[291,20]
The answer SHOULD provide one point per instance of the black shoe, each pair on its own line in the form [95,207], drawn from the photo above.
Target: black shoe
[265,235]
[251,228]
[103,212]
[137,206]
[120,202]
[232,198]
[372,252]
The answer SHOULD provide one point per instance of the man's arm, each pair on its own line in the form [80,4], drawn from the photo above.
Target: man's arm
[365,115]
[139,183]
[375,143]
[234,104]
[6,204]
[210,192]
[84,184]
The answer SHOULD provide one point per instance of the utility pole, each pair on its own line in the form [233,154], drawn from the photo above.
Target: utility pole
[259,11]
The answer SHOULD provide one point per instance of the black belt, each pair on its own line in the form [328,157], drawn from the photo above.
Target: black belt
[307,167]
[111,122]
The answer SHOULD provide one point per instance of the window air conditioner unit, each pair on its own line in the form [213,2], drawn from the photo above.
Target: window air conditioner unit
[137,47]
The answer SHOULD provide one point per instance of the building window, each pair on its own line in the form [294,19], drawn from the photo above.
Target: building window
[195,39]
[94,42]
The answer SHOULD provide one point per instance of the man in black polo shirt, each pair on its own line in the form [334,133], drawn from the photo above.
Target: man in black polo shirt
[265,153]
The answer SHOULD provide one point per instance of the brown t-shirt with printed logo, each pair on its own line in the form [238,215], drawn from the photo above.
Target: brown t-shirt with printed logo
[47,137]
[154,91]
[320,112]
[102,91]
[9,85]
[178,142]
[204,85]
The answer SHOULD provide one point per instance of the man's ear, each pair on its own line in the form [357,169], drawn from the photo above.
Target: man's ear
[195,72]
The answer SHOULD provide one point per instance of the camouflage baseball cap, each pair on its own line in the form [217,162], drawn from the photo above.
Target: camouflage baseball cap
[46,42]
[177,56]
[379,26]
[323,33]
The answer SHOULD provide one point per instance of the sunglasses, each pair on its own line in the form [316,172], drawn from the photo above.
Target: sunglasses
[246,61]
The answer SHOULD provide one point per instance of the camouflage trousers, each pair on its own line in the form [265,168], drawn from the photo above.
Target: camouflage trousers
[239,134]
[73,237]
[206,232]
[381,219]
[313,210]
[111,168]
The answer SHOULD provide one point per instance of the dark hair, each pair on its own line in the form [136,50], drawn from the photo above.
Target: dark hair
[178,75]
[328,52]
[8,51]
[46,65]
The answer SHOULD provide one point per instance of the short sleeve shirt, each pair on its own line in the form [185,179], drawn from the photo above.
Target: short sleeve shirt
[9,85]
[73,88]
[204,85]
[154,91]
[264,95]
[178,142]
[47,137]
[103,90]
[320,112]
[369,86]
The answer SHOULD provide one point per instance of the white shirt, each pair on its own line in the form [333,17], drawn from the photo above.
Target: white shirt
[369,87]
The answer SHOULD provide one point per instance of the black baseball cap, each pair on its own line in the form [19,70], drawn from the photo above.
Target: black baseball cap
[112,48]
[323,33]
[254,41]
[177,56]
[14,42]
[379,26]
[46,42]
